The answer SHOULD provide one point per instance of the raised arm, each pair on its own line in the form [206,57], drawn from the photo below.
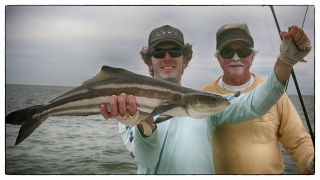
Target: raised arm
[294,47]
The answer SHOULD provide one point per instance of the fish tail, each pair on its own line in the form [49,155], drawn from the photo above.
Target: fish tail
[24,117]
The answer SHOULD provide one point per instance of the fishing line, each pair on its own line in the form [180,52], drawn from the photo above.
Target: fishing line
[304,17]
[266,21]
[245,14]
[296,84]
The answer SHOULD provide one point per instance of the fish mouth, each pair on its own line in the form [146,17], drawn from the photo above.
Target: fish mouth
[226,103]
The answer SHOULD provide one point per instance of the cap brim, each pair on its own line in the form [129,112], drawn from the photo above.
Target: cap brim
[163,40]
[232,40]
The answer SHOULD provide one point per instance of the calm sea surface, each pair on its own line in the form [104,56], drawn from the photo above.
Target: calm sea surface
[79,145]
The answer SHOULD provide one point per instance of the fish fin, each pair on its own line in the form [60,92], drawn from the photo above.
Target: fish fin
[162,119]
[28,127]
[24,117]
[108,72]
[20,116]
[163,108]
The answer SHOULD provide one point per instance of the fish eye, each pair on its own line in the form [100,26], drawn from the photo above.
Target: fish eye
[213,99]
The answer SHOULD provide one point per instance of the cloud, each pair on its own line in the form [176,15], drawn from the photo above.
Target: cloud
[65,45]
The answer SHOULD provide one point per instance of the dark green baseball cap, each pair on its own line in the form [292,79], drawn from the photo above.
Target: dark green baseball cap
[233,32]
[165,33]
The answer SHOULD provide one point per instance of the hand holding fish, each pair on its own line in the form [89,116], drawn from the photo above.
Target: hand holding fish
[120,111]
[130,116]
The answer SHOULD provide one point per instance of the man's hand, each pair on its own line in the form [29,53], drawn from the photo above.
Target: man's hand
[120,110]
[294,46]
[125,111]
[310,166]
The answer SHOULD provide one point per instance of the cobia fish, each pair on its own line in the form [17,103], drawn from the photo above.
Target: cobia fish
[153,97]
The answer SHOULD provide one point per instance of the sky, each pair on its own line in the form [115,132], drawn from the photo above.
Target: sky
[66,45]
[50,44]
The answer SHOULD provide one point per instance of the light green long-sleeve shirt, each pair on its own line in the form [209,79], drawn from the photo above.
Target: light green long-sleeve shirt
[183,145]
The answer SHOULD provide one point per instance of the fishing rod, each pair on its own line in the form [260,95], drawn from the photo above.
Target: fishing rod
[296,84]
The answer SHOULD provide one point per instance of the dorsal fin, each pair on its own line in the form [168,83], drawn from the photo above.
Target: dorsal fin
[107,72]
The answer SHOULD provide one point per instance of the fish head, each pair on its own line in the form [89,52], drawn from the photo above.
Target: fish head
[204,104]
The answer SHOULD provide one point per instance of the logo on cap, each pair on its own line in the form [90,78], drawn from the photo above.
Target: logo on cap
[167,31]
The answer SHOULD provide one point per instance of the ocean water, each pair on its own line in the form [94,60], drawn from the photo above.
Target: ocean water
[79,145]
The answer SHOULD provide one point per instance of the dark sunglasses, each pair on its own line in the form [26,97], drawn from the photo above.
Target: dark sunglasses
[242,52]
[161,53]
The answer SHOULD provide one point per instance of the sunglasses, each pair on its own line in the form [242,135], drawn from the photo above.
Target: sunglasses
[242,52]
[161,53]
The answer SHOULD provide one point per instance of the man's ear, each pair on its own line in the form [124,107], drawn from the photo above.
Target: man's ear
[185,63]
[150,65]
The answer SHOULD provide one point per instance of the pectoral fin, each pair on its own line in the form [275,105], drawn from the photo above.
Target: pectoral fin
[162,119]
[162,109]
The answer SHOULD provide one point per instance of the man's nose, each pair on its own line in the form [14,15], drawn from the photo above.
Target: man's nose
[167,56]
[235,57]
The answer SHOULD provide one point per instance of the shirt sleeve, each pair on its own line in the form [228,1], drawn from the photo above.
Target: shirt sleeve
[293,135]
[144,150]
[251,105]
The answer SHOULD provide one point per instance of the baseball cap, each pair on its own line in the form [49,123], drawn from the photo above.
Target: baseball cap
[233,32]
[165,33]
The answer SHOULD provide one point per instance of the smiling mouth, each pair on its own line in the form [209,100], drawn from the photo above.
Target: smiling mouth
[235,65]
[168,67]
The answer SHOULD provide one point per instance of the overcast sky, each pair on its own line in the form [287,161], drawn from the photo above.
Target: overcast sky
[65,45]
